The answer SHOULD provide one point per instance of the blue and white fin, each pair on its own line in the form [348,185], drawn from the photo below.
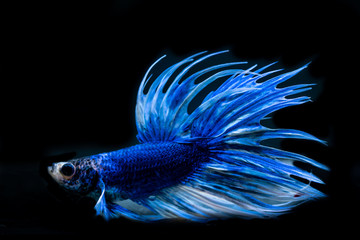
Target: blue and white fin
[162,116]
[243,177]
[101,206]
[220,192]
[126,208]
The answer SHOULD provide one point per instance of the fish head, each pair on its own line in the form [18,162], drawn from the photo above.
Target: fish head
[78,175]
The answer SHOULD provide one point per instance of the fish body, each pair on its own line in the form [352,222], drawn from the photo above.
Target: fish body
[144,169]
[201,165]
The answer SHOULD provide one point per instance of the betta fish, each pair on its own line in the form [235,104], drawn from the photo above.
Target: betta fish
[209,163]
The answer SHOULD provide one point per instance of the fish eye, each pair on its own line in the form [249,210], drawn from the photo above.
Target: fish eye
[67,170]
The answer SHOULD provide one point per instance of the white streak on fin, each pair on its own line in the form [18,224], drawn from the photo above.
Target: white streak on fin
[134,207]
[101,206]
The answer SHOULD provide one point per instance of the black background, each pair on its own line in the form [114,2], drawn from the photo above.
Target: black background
[69,77]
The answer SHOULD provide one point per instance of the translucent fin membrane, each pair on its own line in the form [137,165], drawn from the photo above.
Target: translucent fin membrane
[161,116]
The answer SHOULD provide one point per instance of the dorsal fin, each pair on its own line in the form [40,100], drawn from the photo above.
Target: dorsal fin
[160,116]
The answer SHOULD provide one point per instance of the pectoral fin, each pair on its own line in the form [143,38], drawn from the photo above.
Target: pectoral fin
[101,205]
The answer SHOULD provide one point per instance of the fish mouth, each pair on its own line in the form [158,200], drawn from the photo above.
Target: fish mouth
[51,168]
[52,171]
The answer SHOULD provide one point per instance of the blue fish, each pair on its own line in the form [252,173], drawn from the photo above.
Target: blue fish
[201,165]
